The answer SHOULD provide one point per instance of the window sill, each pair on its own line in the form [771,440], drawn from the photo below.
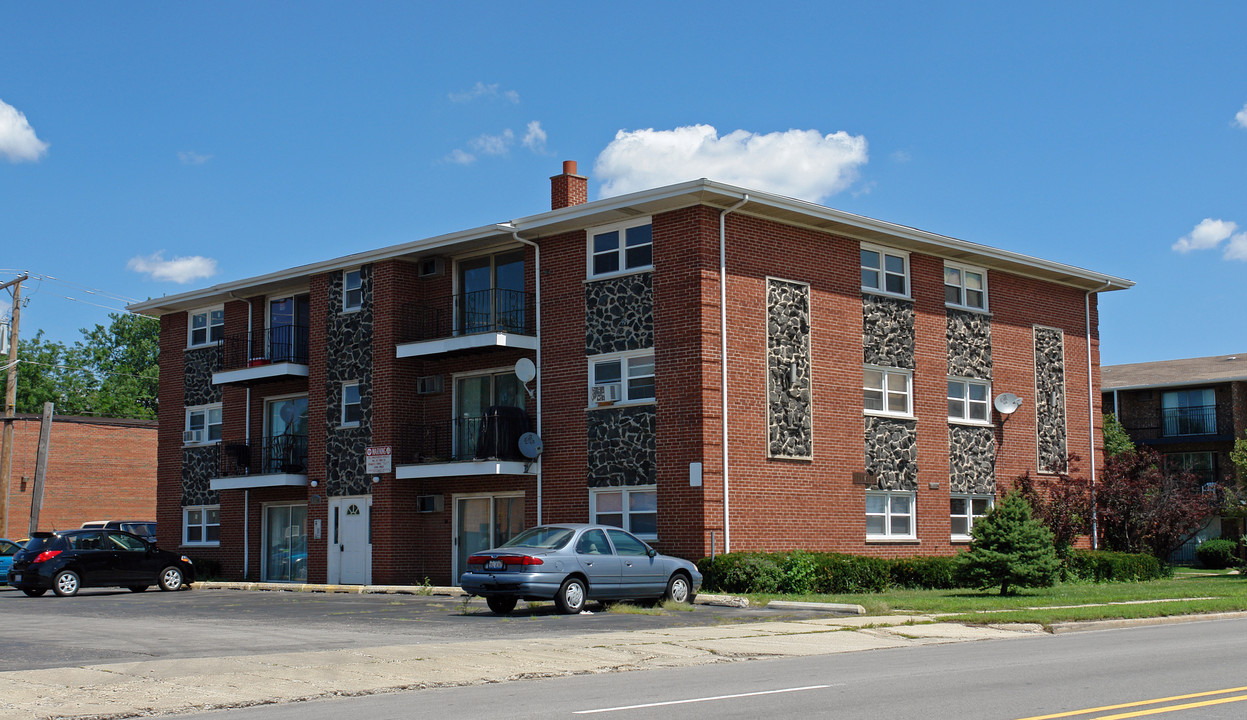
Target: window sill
[621,404]
[970,423]
[350,310]
[619,274]
[210,443]
[886,294]
[880,540]
[961,540]
[882,414]
[200,545]
[348,426]
[967,308]
[203,346]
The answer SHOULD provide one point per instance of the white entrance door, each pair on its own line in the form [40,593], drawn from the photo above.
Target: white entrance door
[350,544]
[483,522]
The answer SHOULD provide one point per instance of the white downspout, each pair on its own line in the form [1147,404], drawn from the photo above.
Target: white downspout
[537,302]
[1095,518]
[246,494]
[727,520]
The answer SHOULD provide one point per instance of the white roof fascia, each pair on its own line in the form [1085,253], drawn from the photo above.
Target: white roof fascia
[1177,383]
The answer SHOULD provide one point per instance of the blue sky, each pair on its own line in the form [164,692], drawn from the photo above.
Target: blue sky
[146,143]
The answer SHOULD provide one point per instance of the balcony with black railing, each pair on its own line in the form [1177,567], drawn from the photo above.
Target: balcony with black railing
[280,455]
[492,439]
[277,352]
[1195,420]
[474,319]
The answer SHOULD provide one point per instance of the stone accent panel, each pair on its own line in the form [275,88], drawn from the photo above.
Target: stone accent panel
[972,460]
[887,332]
[969,345]
[790,423]
[622,447]
[892,453]
[348,345]
[199,466]
[197,387]
[619,314]
[1050,398]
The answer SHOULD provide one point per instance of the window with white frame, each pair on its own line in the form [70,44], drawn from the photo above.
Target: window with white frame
[890,514]
[886,391]
[352,409]
[630,374]
[352,291]
[968,401]
[203,424]
[206,327]
[201,525]
[965,286]
[621,248]
[885,271]
[634,509]
[964,510]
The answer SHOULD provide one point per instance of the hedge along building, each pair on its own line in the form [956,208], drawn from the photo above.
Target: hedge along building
[860,360]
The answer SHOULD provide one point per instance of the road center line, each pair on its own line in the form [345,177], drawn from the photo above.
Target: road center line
[1139,703]
[697,700]
[1172,708]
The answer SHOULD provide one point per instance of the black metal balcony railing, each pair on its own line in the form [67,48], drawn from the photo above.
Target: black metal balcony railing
[265,456]
[1196,420]
[494,436]
[470,313]
[286,343]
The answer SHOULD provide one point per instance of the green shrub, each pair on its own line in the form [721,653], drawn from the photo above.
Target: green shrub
[1217,554]
[742,573]
[838,574]
[927,572]
[799,569]
[1109,566]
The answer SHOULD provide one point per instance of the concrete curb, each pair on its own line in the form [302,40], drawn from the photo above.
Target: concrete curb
[1090,625]
[348,589]
[837,608]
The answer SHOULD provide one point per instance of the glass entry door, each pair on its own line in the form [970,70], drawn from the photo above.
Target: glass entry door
[285,420]
[473,396]
[285,543]
[491,294]
[288,322]
[484,522]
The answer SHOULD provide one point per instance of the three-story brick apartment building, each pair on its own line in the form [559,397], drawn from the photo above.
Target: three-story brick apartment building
[860,361]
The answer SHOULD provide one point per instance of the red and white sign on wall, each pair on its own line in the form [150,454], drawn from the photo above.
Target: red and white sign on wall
[378,460]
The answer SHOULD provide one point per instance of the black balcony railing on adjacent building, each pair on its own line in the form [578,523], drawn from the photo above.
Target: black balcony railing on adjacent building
[492,310]
[286,343]
[265,456]
[1197,420]
[494,436]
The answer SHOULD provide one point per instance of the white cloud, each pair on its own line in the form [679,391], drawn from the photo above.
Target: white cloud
[535,138]
[190,157]
[798,163]
[900,156]
[1241,118]
[1236,248]
[499,144]
[459,157]
[18,142]
[480,89]
[1207,234]
[179,270]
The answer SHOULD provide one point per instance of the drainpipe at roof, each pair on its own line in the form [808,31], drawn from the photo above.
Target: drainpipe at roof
[727,521]
[1095,518]
[537,270]
[246,494]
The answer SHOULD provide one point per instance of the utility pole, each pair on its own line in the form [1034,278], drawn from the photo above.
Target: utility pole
[41,467]
[10,402]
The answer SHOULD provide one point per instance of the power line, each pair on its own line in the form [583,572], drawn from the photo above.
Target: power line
[89,370]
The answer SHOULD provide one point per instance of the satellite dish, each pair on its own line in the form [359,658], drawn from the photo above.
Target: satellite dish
[1006,403]
[525,370]
[530,445]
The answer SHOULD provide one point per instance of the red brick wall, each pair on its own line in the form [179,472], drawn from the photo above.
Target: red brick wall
[96,471]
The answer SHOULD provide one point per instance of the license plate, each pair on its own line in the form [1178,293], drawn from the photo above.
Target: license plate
[494,565]
[17,577]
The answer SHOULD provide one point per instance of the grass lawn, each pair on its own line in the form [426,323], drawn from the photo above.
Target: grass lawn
[1188,592]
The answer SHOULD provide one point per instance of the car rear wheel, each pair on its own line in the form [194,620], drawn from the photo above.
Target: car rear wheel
[34,592]
[679,589]
[501,605]
[170,579]
[66,583]
[571,597]
[138,588]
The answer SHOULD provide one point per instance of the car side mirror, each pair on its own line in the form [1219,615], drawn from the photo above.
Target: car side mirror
[651,551]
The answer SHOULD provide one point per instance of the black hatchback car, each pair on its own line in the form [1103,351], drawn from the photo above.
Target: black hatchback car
[69,560]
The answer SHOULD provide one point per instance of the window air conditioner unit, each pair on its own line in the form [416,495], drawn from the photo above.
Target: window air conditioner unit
[608,393]
[428,503]
[193,436]
[432,266]
[428,384]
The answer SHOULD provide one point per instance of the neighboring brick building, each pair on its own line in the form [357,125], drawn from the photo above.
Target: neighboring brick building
[849,341]
[1190,411]
[98,469]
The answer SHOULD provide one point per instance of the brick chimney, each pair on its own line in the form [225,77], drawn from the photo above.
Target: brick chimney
[569,188]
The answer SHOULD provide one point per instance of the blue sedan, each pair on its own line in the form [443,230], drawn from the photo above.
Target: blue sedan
[572,564]
[8,549]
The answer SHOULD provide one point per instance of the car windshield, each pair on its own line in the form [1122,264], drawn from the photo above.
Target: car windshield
[139,528]
[550,538]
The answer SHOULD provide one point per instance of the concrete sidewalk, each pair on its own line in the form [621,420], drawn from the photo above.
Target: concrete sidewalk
[167,687]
